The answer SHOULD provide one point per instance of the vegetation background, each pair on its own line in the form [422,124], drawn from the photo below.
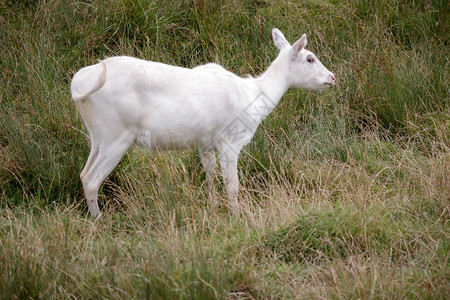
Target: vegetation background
[345,193]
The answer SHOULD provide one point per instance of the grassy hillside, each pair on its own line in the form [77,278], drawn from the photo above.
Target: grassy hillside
[345,193]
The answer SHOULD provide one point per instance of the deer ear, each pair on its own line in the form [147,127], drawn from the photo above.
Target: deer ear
[278,39]
[298,46]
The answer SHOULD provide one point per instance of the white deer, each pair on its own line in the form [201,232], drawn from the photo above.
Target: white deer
[124,100]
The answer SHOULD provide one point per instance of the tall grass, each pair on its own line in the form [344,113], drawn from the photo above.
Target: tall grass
[344,193]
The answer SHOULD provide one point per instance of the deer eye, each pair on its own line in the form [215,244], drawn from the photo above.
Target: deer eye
[310,59]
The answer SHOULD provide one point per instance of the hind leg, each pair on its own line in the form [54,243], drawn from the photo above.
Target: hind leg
[92,157]
[102,164]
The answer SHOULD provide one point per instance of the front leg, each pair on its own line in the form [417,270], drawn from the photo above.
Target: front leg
[208,157]
[228,164]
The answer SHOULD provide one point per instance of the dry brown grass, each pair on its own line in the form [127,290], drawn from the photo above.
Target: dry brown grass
[344,194]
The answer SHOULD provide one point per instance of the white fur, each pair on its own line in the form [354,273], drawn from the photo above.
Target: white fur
[124,100]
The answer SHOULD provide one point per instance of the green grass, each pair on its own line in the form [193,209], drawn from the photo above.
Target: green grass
[344,193]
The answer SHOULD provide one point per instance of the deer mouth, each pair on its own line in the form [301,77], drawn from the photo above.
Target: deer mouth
[328,84]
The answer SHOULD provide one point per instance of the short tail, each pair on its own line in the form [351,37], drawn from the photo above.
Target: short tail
[98,85]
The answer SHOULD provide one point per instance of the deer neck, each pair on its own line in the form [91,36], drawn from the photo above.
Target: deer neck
[272,85]
[274,82]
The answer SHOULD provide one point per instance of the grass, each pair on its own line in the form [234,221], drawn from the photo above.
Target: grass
[344,193]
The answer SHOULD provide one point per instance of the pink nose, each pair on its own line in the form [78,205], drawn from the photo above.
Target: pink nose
[332,79]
